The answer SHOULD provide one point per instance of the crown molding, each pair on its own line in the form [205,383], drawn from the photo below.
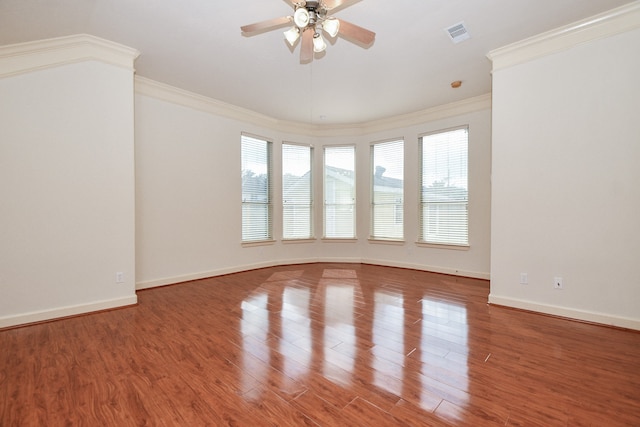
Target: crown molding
[439,112]
[36,55]
[612,22]
[174,95]
[164,92]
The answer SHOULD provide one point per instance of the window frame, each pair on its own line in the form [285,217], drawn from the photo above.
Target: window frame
[398,214]
[311,219]
[451,244]
[269,189]
[353,205]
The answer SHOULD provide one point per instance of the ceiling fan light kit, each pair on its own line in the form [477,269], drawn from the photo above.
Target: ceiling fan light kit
[301,17]
[319,44]
[331,26]
[310,18]
[292,35]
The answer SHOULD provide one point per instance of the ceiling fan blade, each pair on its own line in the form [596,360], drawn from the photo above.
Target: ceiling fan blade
[355,32]
[330,4]
[267,25]
[337,4]
[306,47]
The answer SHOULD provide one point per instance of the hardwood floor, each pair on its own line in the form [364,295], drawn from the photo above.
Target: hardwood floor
[319,344]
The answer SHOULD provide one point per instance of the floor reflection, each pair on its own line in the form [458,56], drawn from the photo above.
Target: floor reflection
[254,325]
[319,344]
[339,327]
[296,329]
[410,344]
[444,350]
[388,339]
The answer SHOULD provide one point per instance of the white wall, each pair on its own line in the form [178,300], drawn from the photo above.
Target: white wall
[188,194]
[474,261]
[188,191]
[563,200]
[566,181]
[67,188]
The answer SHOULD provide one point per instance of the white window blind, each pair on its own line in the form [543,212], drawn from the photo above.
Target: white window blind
[387,190]
[339,192]
[256,189]
[297,201]
[444,189]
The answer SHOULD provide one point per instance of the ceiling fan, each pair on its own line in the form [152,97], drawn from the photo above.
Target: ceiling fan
[310,19]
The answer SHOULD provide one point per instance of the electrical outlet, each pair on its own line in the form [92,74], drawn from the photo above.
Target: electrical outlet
[557,282]
[524,279]
[120,277]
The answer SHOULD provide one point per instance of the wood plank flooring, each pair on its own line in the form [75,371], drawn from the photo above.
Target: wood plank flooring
[319,344]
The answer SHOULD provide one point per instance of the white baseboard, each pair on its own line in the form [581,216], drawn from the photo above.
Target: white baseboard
[354,260]
[200,275]
[571,313]
[72,310]
[229,270]
[430,268]
[341,260]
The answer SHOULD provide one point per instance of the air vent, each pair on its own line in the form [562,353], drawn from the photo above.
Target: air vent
[458,32]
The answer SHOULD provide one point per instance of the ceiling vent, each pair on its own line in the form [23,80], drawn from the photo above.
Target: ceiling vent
[458,32]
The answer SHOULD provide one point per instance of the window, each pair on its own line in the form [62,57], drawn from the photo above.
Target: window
[387,190]
[339,192]
[256,190]
[444,190]
[297,203]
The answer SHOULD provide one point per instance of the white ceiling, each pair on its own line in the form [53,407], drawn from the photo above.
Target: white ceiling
[197,45]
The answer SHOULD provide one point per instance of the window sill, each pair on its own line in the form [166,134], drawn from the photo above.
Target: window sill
[443,246]
[379,241]
[310,240]
[258,243]
[338,240]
